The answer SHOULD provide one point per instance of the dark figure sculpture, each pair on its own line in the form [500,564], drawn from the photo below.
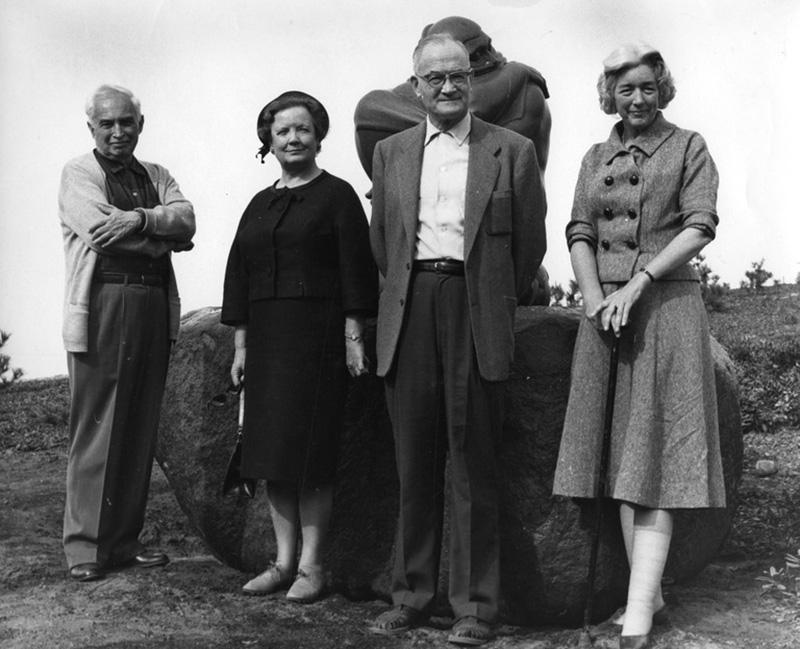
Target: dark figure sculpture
[506,93]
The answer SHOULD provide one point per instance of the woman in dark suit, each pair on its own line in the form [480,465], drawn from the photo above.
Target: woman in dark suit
[645,205]
[299,281]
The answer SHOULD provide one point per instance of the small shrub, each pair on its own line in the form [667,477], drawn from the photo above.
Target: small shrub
[556,295]
[757,276]
[574,296]
[712,291]
[571,297]
[8,374]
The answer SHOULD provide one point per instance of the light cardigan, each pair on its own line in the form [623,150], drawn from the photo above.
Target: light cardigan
[81,200]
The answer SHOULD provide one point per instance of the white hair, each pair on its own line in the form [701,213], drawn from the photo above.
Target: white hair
[104,91]
[440,38]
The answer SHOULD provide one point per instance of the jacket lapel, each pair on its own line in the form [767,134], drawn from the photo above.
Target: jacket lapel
[484,167]
[407,176]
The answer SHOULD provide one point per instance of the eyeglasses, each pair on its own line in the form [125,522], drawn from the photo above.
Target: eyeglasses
[436,79]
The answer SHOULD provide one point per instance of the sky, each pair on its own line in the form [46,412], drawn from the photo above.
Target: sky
[204,69]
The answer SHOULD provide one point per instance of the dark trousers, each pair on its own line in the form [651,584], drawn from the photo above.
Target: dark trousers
[438,403]
[116,388]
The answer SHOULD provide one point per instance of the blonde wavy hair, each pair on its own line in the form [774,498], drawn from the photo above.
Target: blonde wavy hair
[629,56]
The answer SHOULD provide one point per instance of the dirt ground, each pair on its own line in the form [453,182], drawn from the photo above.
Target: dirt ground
[194,601]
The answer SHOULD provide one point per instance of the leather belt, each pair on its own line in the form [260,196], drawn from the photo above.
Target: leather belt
[130,278]
[442,266]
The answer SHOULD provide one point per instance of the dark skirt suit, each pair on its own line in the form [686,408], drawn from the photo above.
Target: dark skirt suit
[300,262]
[629,204]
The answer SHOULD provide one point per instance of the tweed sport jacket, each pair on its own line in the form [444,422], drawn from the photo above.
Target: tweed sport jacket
[631,202]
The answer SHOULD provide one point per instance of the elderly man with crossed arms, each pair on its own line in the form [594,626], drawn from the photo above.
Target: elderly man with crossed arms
[121,219]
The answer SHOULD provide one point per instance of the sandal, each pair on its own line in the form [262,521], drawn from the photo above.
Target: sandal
[272,579]
[396,620]
[472,631]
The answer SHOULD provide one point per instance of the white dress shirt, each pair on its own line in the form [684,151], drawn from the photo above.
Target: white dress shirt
[442,189]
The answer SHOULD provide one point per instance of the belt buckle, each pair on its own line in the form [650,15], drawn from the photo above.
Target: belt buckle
[134,278]
[439,266]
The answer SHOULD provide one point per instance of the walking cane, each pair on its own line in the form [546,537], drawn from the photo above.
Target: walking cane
[585,641]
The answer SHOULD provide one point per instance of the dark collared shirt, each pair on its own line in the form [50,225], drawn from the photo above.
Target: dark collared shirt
[128,187]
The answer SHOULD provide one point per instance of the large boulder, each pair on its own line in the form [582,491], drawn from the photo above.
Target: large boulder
[545,540]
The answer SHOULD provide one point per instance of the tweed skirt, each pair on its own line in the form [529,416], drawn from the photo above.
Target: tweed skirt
[295,387]
[665,435]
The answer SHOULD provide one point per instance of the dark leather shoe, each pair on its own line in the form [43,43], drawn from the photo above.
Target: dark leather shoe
[148,559]
[87,572]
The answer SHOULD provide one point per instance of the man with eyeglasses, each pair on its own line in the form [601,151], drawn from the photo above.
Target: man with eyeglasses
[457,231]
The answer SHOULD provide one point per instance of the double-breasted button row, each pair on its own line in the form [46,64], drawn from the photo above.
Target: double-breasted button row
[609,213]
[634,180]
[605,244]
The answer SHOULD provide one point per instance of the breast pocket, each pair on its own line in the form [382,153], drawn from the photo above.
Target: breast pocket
[499,217]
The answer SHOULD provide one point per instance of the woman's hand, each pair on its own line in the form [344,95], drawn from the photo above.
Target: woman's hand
[592,303]
[356,358]
[237,367]
[614,311]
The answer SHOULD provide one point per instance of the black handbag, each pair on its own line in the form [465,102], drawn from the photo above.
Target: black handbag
[233,476]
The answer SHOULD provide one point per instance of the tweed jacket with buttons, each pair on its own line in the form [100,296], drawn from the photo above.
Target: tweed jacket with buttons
[631,202]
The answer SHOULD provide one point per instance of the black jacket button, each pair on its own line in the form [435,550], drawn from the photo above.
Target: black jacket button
[609,180]
[605,244]
[632,214]
[608,213]
[631,245]
[634,179]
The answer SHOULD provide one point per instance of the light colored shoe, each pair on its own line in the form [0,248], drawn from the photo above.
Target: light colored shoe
[274,578]
[661,617]
[634,641]
[308,585]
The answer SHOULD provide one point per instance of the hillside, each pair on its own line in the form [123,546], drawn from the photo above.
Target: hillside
[194,602]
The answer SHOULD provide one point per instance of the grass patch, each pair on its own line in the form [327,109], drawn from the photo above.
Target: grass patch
[34,414]
[761,331]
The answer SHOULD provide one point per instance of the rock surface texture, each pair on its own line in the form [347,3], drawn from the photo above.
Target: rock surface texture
[545,540]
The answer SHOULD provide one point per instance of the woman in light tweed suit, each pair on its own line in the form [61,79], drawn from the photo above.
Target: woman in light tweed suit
[645,205]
